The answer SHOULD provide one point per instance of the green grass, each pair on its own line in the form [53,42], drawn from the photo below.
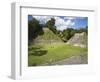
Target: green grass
[48,53]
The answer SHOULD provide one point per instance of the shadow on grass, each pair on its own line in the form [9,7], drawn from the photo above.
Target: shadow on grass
[37,51]
[34,48]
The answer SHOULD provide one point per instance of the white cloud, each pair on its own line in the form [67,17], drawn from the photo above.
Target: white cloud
[69,18]
[42,19]
[73,23]
[60,23]
[73,18]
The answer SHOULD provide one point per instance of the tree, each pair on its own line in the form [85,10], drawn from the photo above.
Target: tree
[51,25]
[83,30]
[68,33]
[34,28]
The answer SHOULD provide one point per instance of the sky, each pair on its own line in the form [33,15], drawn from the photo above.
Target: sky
[63,22]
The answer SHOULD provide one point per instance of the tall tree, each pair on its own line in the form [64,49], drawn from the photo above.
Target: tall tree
[34,28]
[51,25]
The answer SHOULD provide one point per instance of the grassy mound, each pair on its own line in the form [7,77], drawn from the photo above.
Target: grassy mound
[47,36]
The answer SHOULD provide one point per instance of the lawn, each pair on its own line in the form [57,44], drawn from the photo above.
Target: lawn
[49,53]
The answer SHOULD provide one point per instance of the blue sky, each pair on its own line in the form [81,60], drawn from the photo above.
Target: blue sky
[30,17]
[63,22]
[81,22]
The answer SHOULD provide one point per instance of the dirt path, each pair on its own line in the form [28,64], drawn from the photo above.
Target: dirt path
[71,61]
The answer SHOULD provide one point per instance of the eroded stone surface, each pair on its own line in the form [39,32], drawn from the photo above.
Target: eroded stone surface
[79,39]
